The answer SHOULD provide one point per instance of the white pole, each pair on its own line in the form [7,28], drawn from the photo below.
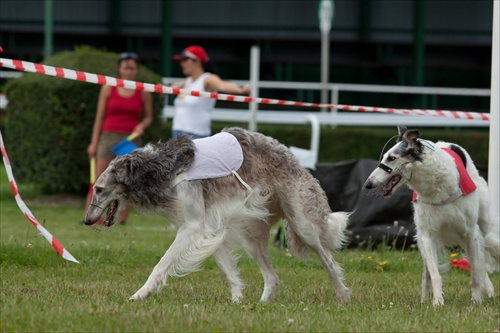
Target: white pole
[325,55]
[325,16]
[254,86]
[494,160]
[315,134]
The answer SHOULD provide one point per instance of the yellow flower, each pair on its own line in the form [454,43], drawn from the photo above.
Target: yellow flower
[382,263]
[369,257]
[453,255]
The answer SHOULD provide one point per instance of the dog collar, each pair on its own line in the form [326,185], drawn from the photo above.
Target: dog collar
[453,197]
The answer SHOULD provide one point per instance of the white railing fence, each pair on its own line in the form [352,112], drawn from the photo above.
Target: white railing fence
[308,158]
[342,118]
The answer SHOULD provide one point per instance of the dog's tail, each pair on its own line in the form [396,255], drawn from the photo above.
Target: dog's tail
[336,237]
[492,245]
[332,234]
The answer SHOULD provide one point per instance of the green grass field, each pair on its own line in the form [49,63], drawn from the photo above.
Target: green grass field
[41,292]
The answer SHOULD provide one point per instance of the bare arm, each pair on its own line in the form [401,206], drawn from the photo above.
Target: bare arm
[99,120]
[215,83]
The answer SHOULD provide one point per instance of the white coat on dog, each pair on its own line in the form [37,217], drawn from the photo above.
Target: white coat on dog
[445,213]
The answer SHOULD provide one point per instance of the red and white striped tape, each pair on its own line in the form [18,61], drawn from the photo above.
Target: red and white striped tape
[26,211]
[158,88]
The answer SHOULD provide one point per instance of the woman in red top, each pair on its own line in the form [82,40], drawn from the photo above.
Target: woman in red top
[119,113]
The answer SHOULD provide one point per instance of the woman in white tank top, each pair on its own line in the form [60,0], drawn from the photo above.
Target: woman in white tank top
[192,114]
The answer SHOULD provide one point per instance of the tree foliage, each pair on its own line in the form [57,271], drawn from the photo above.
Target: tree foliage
[49,120]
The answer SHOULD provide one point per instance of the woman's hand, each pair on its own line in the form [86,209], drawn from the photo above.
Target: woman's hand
[139,129]
[245,90]
[91,150]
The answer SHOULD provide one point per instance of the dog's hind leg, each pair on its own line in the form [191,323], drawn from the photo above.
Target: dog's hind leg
[192,245]
[227,264]
[334,272]
[428,251]
[309,234]
[256,239]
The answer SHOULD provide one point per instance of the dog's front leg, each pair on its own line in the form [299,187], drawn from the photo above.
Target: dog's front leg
[166,265]
[191,246]
[426,280]
[156,279]
[429,255]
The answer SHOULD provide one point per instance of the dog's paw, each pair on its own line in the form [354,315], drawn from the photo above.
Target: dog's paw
[237,299]
[136,297]
[437,301]
[344,296]
[488,289]
[139,295]
[477,299]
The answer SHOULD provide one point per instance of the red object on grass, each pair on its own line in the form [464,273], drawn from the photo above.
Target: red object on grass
[462,264]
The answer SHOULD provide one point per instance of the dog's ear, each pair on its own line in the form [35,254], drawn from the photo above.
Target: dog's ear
[411,135]
[183,151]
[125,168]
[401,131]
[414,146]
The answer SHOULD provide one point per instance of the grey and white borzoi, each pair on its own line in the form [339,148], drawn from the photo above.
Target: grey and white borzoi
[451,208]
[214,216]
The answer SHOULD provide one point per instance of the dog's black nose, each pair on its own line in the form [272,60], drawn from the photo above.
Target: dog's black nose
[368,185]
[89,222]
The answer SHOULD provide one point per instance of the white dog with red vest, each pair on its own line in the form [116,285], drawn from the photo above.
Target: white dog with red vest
[451,207]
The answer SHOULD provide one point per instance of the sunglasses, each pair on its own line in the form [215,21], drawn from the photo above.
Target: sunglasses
[188,58]
[129,55]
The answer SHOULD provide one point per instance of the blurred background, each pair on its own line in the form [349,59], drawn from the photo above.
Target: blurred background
[399,42]
[421,43]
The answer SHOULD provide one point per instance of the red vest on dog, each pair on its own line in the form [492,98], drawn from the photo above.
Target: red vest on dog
[466,184]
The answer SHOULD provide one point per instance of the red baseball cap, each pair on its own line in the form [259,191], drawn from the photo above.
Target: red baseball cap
[194,52]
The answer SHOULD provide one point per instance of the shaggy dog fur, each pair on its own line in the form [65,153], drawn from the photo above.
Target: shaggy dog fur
[215,216]
[442,220]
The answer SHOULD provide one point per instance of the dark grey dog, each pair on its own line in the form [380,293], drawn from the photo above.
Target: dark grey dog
[214,216]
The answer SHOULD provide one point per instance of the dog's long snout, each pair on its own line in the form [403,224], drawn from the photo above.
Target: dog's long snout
[93,214]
